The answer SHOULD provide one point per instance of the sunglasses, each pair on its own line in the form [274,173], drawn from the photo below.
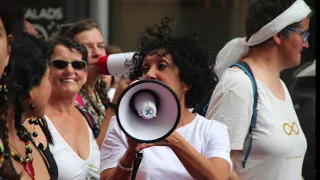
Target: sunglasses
[76,64]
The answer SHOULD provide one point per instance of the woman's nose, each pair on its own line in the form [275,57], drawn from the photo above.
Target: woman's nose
[69,68]
[151,74]
[306,44]
[98,52]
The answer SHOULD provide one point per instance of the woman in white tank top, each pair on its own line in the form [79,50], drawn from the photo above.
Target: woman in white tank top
[75,148]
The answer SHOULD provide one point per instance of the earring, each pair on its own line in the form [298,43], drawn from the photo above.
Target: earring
[34,121]
[31,105]
[179,95]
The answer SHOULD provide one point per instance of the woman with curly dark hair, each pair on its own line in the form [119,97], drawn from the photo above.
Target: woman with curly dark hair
[198,148]
[27,135]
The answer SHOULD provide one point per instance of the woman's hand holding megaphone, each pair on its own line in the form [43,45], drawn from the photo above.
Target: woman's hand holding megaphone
[171,141]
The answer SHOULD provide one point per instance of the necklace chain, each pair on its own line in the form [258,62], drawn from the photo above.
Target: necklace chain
[26,138]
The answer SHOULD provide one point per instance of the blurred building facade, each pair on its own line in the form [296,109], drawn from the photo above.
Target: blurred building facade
[122,21]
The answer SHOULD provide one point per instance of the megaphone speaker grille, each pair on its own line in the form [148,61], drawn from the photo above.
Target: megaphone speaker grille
[149,130]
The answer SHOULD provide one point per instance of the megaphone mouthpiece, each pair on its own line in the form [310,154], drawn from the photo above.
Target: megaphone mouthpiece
[145,104]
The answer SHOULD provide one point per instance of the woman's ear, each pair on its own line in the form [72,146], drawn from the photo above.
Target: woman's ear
[278,38]
[185,87]
[28,98]
[31,93]
[10,38]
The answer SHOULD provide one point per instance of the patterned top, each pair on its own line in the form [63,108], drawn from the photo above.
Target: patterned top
[95,110]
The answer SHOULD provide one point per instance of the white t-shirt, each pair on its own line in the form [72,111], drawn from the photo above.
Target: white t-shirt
[70,165]
[279,144]
[210,138]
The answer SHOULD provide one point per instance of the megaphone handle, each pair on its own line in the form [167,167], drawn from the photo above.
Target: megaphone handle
[136,164]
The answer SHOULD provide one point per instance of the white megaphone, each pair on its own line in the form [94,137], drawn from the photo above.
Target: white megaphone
[117,65]
[148,111]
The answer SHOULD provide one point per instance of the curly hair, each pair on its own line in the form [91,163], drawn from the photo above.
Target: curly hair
[261,12]
[193,60]
[69,43]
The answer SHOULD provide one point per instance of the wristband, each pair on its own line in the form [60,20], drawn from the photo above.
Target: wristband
[122,167]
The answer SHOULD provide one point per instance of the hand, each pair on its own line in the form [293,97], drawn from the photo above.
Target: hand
[171,141]
[132,145]
[122,85]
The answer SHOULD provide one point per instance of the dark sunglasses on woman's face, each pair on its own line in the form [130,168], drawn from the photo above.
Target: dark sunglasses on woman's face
[61,64]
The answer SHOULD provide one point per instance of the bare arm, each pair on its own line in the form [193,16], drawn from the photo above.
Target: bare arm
[234,154]
[198,166]
[126,161]
[118,173]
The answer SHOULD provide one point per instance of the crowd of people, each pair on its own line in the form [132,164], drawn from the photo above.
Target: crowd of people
[58,114]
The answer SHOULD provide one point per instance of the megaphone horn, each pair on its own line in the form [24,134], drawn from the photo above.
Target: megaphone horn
[148,111]
[118,65]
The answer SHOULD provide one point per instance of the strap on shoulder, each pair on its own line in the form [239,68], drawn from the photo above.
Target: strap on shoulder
[245,67]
